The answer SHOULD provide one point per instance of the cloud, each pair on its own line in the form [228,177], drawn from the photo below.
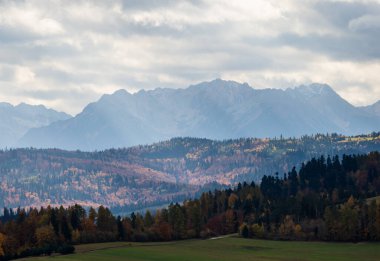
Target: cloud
[365,22]
[28,19]
[65,54]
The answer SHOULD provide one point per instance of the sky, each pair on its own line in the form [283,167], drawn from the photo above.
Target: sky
[65,54]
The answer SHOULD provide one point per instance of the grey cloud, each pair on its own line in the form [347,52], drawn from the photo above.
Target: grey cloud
[146,4]
[366,23]
[59,76]
[357,36]
[55,94]
[22,53]
[131,5]
[349,47]
[341,13]
[6,73]
[10,35]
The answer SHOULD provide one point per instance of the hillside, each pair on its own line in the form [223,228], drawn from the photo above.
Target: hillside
[214,110]
[157,174]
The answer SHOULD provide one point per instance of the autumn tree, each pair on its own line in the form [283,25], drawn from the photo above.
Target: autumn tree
[45,236]
[2,239]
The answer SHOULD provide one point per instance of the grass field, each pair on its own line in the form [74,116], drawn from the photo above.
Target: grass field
[231,248]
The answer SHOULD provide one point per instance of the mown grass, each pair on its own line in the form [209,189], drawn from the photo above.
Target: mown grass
[231,248]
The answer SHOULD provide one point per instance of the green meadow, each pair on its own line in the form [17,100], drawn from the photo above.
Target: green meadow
[230,248]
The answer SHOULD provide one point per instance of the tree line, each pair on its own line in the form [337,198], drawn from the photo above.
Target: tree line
[328,199]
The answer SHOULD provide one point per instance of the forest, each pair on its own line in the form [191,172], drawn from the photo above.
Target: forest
[328,198]
[131,179]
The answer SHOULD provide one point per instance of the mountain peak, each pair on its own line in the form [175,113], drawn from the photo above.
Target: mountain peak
[117,95]
[26,106]
[314,89]
[220,84]
[229,83]
[5,105]
[121,92]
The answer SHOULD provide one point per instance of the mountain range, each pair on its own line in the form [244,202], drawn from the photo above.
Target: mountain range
[215,110]
[17,120]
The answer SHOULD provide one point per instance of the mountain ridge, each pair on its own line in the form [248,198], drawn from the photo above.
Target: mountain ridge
[373,108]
[216,110]
[16,120]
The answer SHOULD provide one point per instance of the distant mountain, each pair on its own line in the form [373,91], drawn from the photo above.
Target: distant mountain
[373,109]
[17,120]
[216,110]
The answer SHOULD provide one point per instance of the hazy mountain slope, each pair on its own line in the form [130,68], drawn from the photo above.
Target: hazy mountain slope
[105,123]
[373,109]
[215,110]
[17,120]
[326,111]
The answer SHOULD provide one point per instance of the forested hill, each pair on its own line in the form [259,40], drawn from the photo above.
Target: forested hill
[327,199]
[154,175]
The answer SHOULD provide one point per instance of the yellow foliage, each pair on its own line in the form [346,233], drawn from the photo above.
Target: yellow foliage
[76,236]
[351,202]
[298,231]
[232,199]
[287,227]
[230,221]
[45,235]
[257,230]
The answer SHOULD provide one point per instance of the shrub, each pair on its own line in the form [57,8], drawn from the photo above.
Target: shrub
[65,249]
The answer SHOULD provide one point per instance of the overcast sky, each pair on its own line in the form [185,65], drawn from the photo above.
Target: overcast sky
[65,54]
